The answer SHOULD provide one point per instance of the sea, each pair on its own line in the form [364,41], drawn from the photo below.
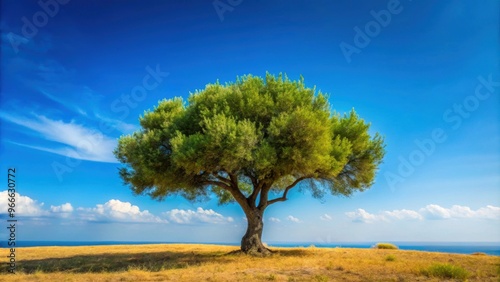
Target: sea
[454,248]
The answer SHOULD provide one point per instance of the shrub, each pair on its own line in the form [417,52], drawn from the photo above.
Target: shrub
[446,271]
[320,278]
[478,254]
[271,277]
[390,258]
[386,246]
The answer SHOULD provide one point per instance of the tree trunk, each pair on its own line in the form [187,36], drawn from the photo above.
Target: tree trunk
[251,243]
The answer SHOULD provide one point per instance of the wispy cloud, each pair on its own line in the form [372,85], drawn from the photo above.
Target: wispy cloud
[79,142]
[66,104]
[402,214]
[326,217]
[58,84]
[199,216]
[117,124]
[293,219]
[274,219]
[428,212]
[456,211]
[52,85]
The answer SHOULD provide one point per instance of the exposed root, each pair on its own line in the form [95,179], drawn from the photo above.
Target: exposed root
[260,252]
[235,252]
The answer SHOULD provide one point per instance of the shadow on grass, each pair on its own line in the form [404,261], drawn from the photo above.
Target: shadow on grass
[274,252]
[292,253]
[153,262]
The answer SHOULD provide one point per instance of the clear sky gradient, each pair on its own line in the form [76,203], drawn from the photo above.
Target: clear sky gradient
[76,75]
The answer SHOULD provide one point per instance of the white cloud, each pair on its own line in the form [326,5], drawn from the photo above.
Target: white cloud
[360,215]
[437,212]
[64,208]
[274,219]
[111,211]
[200,215]
[118,211]
[488,212]
[403,214]
[293,219]
[63,211]
[77,141]
[326,217]
[24,205]
[429,212]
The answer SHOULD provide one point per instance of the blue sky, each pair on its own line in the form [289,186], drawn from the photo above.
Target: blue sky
[76,75]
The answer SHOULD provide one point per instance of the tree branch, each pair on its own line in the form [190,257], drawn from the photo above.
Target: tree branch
[217,183]
[223,179]
[234,179]
[256,189]
[236,192]
[254,180]
[264,194]
[283,197]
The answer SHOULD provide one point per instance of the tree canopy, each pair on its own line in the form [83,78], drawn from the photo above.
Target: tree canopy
[241,140]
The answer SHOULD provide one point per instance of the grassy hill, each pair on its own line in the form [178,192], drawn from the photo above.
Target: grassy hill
[216,263]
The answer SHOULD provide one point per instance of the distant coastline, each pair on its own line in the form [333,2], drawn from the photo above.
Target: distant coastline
[490,248]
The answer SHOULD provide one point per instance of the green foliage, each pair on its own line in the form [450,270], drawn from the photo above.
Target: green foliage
[446,271]
[271,277]
[321,278]
[386,246]
[253,132]
[390,258]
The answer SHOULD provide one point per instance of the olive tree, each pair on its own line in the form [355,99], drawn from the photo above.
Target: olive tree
[249,142]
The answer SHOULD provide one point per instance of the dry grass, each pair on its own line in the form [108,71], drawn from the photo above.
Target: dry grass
[214,263]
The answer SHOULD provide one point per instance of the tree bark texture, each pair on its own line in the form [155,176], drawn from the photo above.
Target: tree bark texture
[251,243]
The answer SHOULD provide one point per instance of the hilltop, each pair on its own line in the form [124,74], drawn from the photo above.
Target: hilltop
[186,262]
